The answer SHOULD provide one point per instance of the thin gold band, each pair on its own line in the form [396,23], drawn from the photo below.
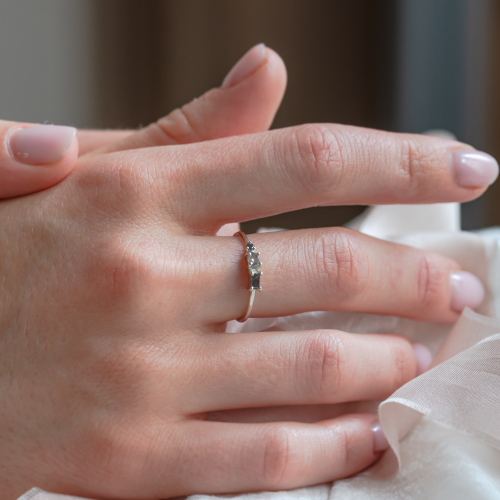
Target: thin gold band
[254,265]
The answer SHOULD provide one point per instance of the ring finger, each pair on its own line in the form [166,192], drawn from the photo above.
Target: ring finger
[330,269]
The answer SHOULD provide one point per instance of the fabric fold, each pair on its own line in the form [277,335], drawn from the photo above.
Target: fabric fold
[460,390]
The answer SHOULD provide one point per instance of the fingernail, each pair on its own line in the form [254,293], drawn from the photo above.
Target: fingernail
[423,357]
[41,144]
[380,442]
[245,66]
[474,168]
[466,290]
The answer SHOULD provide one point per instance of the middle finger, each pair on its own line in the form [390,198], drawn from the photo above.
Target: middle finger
[254,176]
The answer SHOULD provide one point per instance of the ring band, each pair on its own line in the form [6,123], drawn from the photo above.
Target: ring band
[254,265]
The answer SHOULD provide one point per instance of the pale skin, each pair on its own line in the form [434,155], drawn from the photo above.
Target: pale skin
[116,291]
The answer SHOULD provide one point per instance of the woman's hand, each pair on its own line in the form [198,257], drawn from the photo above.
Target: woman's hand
[115,294]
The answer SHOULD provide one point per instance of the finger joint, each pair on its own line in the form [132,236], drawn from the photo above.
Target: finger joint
[429,282]
[279,463]
[320,165]
[326,364]
[341,264]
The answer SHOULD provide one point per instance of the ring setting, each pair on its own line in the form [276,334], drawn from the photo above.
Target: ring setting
[253,266]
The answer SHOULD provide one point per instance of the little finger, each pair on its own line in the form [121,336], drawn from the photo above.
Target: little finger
[214,457]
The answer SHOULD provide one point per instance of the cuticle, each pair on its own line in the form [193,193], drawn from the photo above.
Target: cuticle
[8,136]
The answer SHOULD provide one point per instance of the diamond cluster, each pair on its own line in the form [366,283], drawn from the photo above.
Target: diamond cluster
[254,265]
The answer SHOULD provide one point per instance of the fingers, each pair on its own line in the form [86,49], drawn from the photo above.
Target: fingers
[260,175]
[245,103]
[34,157]
[299,368]
[232,458]
[329,269]
[90,140]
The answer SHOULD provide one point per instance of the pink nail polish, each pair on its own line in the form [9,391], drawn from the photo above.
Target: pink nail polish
[41,144]
[423,357]
[466,290]
[245,66]
[473,168]
[380,442]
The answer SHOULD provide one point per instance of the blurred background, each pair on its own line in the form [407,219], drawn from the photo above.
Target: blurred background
[400,65]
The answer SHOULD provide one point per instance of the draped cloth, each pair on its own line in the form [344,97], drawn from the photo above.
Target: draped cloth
[443,426]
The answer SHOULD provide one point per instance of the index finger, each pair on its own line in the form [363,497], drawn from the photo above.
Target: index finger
[259,175]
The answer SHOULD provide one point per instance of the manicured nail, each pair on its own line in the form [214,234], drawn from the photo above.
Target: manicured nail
[41,144]
[466,290]
[245,66]
[474,168]
[380,442]
[423,357]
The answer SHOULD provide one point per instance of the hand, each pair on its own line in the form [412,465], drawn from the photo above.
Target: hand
[116,291]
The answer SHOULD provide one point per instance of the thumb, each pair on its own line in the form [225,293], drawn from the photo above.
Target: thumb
[34,157]
[245,103]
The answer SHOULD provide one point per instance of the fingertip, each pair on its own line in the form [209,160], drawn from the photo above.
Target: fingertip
[423,357]
[364,442]
[260,68]
[40,144]
[246,66]
[246,103]
[471,168]
[276,63]
[35,157]
[466,290]
[254,101]
[380,442]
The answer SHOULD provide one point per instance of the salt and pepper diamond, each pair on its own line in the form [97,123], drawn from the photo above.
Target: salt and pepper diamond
[254,264]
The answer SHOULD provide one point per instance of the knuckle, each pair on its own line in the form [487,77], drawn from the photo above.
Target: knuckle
[401,355]
[127,269]
[112,180]
[118,185]
[346,438]
[318,149]
[341,263]
[102,443]
[277,463]
[132,272]
[430,281]
[417,166]
[181,125]
[110,445]
[325,361]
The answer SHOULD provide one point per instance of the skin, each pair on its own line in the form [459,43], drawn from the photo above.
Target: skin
[116,376]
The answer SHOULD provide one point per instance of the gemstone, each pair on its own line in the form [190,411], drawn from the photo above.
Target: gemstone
[253,261]
[255,281]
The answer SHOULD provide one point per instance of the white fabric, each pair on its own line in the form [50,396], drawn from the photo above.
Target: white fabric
[453,452]
[38,494]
